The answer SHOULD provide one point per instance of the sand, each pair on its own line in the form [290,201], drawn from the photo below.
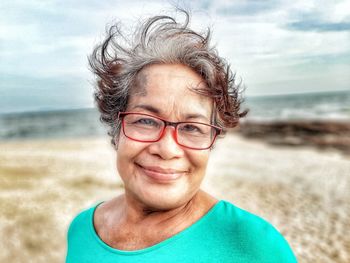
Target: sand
[302,191]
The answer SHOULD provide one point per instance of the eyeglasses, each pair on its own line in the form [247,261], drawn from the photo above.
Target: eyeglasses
[142,127]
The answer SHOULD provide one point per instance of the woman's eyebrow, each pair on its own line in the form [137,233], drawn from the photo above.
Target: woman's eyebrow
[148,108]
[196,116]
[156,111]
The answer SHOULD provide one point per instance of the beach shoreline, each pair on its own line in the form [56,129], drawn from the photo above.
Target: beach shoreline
[302,191]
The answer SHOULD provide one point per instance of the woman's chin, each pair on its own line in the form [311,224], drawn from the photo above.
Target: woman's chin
[161,194]
[164,200]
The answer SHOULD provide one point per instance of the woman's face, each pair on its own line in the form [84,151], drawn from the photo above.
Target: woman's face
[163,175]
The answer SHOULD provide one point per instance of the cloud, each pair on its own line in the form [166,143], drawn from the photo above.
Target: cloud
[238,7]
[319,26]
[247,8]
[45,43]
[322,16]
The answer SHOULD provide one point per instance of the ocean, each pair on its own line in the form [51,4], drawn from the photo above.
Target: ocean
[307,106]
[85,122]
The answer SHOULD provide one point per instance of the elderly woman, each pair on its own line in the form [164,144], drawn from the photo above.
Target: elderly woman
[166,96]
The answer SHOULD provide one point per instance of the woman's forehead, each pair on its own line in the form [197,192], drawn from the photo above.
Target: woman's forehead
[168,97]
[166,89]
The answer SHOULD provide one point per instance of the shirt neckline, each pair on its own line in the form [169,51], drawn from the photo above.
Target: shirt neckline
[155,246]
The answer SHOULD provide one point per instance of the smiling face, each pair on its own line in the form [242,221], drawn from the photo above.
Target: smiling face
[163,175]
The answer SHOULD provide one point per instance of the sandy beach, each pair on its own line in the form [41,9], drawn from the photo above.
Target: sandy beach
[303,191]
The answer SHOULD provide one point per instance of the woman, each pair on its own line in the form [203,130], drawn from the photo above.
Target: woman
[166,97]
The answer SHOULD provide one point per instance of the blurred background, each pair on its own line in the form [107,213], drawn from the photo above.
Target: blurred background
[288,161]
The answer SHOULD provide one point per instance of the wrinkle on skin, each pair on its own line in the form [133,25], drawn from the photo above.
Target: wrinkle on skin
[159,217]
[172,103]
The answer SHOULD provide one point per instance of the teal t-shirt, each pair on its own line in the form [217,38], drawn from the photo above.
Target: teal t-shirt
[225,234]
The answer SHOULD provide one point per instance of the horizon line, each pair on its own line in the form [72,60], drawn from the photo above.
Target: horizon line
[56,109]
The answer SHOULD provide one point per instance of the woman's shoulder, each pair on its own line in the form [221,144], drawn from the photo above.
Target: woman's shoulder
[235,215]
[253,231]
[82,219]
[244,221]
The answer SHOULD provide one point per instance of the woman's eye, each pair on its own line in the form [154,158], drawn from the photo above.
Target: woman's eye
[146,121]
[191,128]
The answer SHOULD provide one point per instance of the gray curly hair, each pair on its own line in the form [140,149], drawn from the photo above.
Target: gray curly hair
[161,40]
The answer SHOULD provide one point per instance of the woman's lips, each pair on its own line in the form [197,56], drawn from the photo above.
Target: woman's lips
[161,174]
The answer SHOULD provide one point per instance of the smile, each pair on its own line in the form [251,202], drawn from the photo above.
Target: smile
[161,174]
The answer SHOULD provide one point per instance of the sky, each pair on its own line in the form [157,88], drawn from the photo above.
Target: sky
[275,47]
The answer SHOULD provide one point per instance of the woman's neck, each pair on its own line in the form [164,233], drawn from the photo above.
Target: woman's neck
[135,212]
[129,225]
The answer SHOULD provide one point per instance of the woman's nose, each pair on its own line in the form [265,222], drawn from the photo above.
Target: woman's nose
[167,147]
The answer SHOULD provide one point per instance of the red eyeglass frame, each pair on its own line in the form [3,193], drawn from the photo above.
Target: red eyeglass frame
[121,115]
